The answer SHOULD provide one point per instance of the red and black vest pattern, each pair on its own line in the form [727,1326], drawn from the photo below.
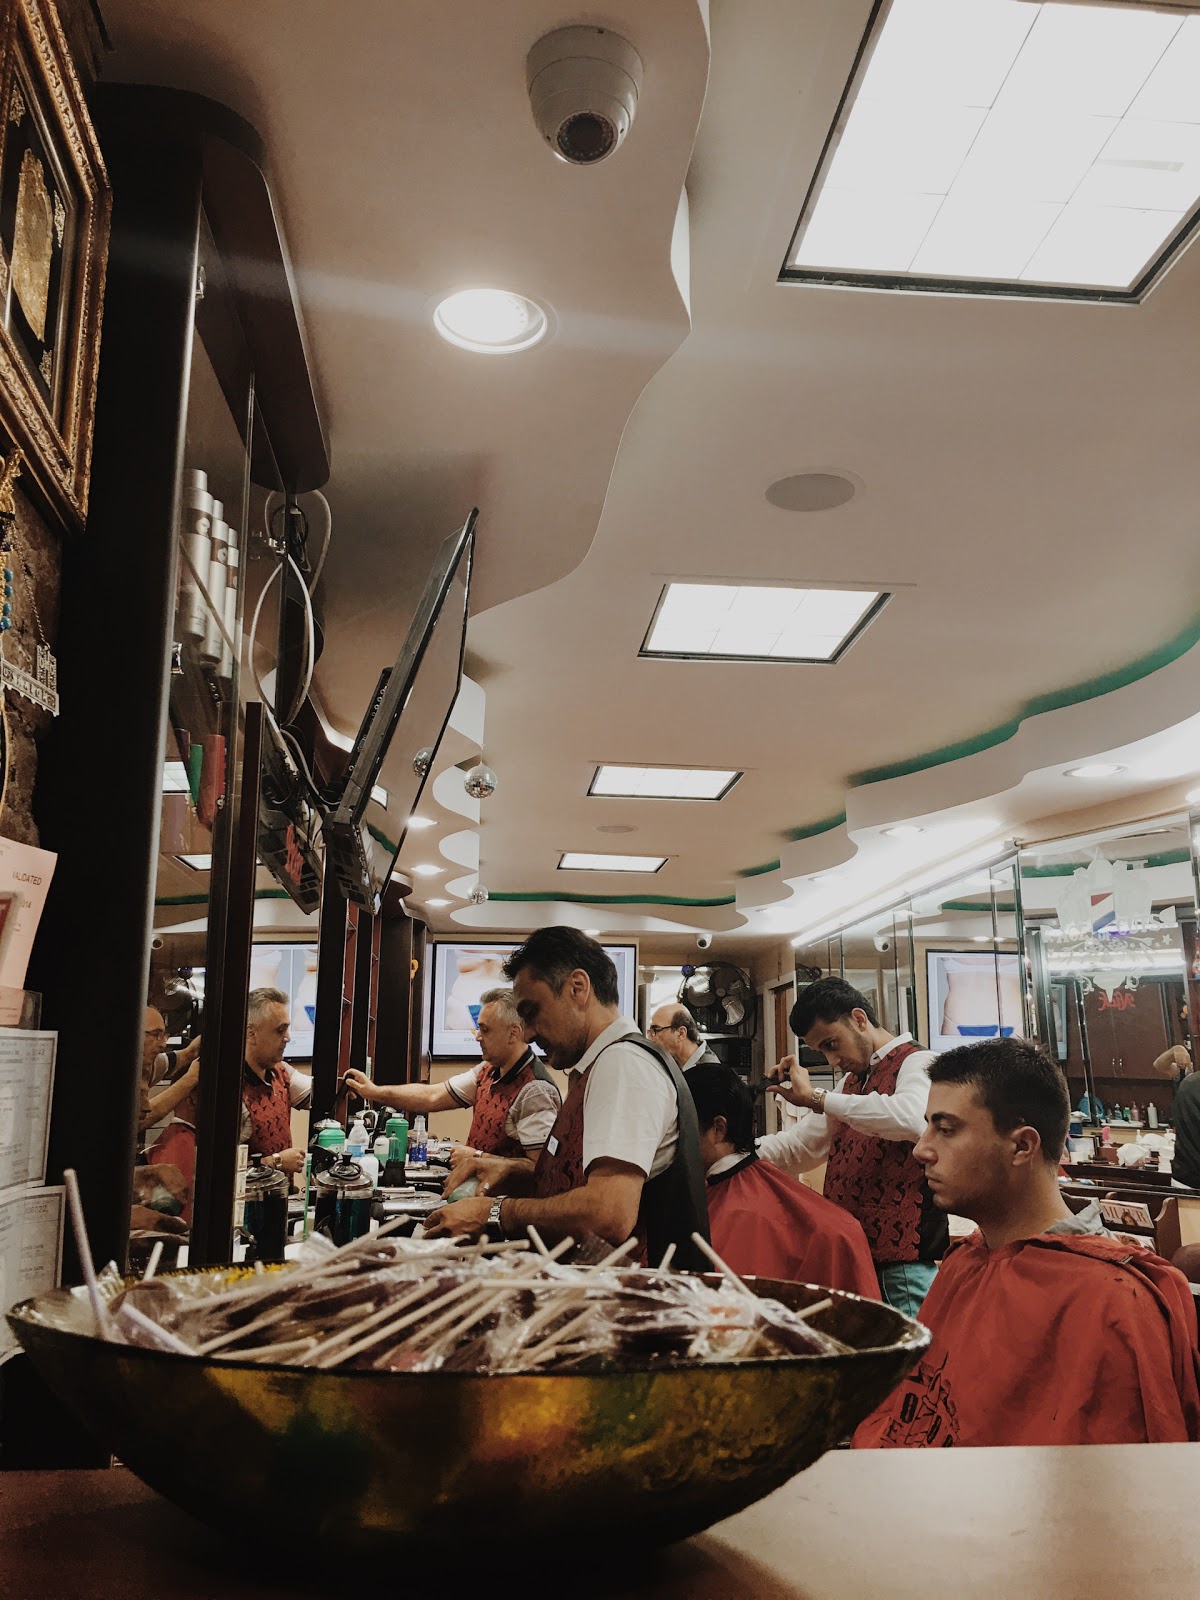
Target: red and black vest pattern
[560,1165]
[878,1180]
[494,1096]
[269,1106]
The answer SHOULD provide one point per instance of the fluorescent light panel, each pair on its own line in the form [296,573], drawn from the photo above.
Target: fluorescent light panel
[664,783]
[1010,145]
[757,622]
[197,863]
[586,861]
[175,778]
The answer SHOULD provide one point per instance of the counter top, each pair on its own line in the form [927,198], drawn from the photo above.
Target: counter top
[1017,1524]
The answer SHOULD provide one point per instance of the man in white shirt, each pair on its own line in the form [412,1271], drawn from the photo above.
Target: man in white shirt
[624,1155]
[513,1099]
[865,1130]
[673,1029]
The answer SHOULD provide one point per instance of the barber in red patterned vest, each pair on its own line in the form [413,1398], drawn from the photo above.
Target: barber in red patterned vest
[270,1089]
[624,1155]
[865,1130]
[513,1097]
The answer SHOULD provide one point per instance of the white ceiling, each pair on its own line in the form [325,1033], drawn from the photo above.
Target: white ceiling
[1029,470]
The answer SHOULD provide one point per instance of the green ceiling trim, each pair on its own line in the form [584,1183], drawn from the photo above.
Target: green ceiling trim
[610,899]
[382,838]
[203,899]
[1065,869]
[757,872]
[1056,700]
[976,905]
[814,828]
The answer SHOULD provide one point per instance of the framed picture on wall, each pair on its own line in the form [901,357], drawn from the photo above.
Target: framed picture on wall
[463,972]
[54,221]
[972,994]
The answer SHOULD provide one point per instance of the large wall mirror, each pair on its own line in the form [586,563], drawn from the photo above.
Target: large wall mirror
[1110,935]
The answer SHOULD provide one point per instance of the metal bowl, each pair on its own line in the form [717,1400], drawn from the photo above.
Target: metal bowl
[369,1460]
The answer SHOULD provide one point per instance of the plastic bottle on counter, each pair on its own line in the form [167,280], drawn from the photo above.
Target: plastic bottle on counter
[420,1142]
[356,1139]
[397,1138]
[1151,1114]
[370,1168]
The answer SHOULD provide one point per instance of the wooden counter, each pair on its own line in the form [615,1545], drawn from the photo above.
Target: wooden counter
[1105,1522]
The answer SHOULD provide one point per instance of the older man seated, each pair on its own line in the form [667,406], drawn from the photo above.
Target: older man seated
[1044,1332]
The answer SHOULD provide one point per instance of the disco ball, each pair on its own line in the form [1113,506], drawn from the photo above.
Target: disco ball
[480,782]
[478,895]
[422,760]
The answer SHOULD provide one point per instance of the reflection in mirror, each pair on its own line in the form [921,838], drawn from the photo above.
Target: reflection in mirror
[1110,933]
[967,961]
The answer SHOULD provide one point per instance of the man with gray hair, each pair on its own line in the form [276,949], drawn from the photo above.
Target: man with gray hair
[673,1029]
[513,1097]
[270,1090]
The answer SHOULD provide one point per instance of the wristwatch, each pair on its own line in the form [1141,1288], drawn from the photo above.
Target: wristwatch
[819,1101]
[493,1220]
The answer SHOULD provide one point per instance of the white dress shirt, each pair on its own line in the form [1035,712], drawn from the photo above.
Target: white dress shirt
[899,1115]
[630,1111]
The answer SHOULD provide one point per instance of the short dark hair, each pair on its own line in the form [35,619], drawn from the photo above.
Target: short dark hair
[828,1000]
[681,1017]
[719,1092]
[553,954]
[1017,1082]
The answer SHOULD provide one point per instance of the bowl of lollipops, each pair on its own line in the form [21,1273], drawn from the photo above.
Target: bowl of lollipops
[397,1388]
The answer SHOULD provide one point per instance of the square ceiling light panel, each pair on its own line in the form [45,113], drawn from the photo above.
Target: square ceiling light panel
[197,863]
[1005,148]
[584,861]
[758,622]
[663,783]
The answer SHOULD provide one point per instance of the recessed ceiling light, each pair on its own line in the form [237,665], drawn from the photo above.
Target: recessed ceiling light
[664,783]
[592,933]
[811,491]
[436,904]
[174,778]
[586,861]
[426,871]
[1009,148]
[197,863]
[758,622]
[616,827]
[904,830]
[1094,769]
[490,321]
[417,823]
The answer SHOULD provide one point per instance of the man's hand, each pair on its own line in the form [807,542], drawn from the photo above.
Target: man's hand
[358,1083]
[492,1172]
[192,1076]
[464,1217]
[188,1054]
[790,1081]
[289,1160]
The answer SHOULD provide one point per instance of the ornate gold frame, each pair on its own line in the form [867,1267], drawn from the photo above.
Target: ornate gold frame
[58,452]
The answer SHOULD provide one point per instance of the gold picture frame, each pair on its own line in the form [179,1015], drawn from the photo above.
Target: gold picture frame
[55,206]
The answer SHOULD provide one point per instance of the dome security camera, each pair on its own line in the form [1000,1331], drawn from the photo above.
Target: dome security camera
[584,85]
[882,942]
[704,941]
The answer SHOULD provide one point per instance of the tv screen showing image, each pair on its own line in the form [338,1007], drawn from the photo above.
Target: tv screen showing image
[971,995]
[293,969]
[462,973]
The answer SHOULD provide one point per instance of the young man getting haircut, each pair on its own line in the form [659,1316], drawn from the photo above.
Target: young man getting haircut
[1044,1332]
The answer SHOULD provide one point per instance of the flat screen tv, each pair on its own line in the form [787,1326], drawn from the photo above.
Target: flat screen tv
[407,715]
[463,971]
[291,968]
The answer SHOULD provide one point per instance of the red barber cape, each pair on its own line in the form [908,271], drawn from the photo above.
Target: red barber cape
[764,1222]
[1060,1339]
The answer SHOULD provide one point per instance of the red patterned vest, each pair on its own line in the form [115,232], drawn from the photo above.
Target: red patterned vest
[878,1180]
[494,1097]
[269,1107]
[560,1165]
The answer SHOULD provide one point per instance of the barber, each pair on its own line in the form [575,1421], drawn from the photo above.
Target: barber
[624,1153]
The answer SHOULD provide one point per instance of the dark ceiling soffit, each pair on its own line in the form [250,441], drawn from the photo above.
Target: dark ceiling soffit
[241,214]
